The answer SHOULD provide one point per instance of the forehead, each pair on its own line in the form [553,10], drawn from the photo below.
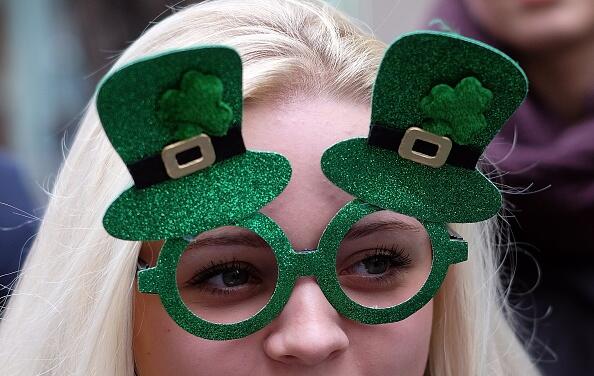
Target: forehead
[304,127]
[302,130]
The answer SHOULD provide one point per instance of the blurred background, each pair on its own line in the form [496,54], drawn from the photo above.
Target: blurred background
[53,53]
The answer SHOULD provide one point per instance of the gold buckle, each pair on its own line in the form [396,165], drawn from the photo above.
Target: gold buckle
[412,134]
[172,166]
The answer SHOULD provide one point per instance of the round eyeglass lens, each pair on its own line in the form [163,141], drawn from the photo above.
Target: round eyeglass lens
[384,259]
[227,275]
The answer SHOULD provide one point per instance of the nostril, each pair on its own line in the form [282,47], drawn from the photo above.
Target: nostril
[308,331]
[334,354]
[289,359]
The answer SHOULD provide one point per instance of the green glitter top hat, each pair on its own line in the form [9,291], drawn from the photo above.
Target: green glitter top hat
[438,100]
[175,121]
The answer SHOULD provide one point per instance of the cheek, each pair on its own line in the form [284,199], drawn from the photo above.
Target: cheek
[161,347]
[491,15]
[400,348]
[579,17]
[534,28]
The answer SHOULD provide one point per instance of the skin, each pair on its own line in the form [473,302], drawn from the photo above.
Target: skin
[309,337]
[534,24]
[554,42]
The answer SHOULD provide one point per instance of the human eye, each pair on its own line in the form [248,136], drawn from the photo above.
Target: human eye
[384,259]
[226,275]
[378,267]
[226,278]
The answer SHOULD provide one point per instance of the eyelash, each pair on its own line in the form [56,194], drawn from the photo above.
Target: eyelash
[216,268]
[399,260]
[398,256]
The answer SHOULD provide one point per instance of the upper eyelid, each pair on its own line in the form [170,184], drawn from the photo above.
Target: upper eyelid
[359,231]
[251,239]
[378,249]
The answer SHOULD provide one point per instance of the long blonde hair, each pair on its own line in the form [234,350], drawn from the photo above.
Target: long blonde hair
[71,313]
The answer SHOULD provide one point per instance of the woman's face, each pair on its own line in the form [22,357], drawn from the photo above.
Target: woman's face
[308,337]
[535,24]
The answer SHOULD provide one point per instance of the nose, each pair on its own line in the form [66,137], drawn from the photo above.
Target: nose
[308,330]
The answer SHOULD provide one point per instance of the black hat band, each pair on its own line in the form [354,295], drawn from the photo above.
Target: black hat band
[158,168]
[391,138]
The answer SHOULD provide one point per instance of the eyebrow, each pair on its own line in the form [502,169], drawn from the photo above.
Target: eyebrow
[250,239]
[365,229]
[246,239]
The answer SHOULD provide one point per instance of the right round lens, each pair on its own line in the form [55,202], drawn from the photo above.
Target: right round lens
[227,275]
[384,259]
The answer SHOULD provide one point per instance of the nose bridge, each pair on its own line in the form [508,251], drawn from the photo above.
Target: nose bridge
[308,331]
[307,262]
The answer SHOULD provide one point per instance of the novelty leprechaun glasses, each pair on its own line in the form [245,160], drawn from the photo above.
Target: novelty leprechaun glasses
[372,266]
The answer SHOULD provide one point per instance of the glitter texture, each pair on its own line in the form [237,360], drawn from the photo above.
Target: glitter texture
[221,194]
[379,178]
[447,194]
[445,253]
[128,99]
[292,265]
[414,65]
[417,62]
[128,105]
[161,280]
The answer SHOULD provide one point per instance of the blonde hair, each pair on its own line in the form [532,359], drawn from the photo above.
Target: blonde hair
[71,312]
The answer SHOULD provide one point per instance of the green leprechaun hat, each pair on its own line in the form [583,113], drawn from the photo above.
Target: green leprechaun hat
[438,100]
[175,120]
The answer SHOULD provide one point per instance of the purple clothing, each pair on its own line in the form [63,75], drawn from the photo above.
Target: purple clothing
[558,160]
[547,153]
[555,223]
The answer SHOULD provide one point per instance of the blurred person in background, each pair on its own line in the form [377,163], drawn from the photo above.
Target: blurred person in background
[546,151]
[17,226]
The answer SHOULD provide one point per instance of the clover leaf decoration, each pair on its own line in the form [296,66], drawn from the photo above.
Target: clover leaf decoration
[196,108]
[457,112]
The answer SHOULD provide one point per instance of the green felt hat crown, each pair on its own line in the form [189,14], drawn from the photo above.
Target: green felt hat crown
[438,100]
[175,121]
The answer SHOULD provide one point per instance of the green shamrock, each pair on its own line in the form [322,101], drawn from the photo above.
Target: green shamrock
[196,108]
[458,112]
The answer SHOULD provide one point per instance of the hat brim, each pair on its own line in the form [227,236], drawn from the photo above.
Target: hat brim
[215,197]
[382,178]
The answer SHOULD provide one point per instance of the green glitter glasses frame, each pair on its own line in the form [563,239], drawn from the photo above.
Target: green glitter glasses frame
[321,263]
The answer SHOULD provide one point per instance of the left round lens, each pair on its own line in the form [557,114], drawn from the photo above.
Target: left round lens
[227,275]
[384,259]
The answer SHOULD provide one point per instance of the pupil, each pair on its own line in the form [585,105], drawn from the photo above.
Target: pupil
[235,277]
[376,265]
